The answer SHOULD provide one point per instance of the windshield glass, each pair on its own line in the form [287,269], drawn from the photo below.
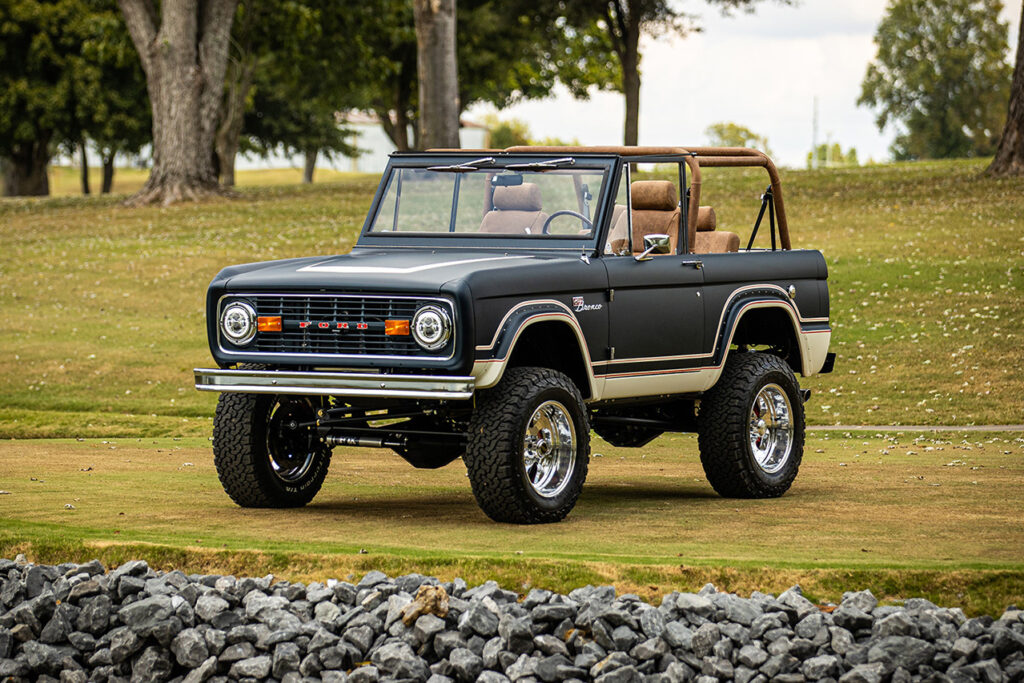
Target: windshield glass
[542,199]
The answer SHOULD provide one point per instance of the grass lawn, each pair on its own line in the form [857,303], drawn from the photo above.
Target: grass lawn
[101,323]
[900,514]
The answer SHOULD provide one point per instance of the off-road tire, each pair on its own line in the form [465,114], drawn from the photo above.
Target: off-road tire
[494,455]
[723,427]
[240,453]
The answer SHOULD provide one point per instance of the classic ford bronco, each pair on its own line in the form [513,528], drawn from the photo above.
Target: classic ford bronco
[500,304]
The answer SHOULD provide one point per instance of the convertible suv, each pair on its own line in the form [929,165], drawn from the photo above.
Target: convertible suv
[501,304]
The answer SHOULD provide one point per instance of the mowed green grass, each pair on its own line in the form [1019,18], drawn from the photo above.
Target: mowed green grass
[101,306]
[900,514]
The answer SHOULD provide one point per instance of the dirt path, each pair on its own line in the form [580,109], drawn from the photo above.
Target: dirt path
[915,428]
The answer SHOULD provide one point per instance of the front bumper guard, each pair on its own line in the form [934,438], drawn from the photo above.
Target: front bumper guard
[359,384]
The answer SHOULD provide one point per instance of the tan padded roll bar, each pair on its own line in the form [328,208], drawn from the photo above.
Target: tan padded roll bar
[695,157]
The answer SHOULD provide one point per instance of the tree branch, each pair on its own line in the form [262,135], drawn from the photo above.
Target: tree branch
[140,17]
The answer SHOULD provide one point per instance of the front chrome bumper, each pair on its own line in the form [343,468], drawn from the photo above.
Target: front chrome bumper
[363,384]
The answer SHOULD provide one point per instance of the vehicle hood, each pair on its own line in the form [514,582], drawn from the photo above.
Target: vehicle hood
[375,270]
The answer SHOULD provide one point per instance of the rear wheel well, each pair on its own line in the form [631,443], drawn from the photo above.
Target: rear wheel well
[552,344]
[769,329]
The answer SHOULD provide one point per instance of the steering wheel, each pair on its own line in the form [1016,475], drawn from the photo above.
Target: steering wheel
[565,212]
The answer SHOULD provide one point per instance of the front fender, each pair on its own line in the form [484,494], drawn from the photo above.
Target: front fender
[492,358]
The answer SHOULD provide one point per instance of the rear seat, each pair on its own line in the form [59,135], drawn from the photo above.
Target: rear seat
[708,239]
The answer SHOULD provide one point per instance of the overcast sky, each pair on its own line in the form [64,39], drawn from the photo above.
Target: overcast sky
[760,70]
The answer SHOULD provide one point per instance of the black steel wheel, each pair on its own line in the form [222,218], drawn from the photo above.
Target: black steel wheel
[751,428]
[529,447]
[266,452]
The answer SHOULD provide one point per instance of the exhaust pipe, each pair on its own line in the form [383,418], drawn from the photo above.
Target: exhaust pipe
[805,395]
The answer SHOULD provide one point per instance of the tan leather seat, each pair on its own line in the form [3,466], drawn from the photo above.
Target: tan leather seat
[517,210]
[710,241]
[655,211]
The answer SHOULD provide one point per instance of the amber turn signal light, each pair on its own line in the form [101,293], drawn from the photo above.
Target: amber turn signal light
[268,323]
[396,328]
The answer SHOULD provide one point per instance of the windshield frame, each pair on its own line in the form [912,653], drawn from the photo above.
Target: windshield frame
[607,164]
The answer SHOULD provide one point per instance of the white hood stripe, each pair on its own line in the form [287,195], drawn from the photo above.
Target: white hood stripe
[318,268]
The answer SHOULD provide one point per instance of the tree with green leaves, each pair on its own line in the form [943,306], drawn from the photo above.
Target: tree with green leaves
[622,22]
[36,89]
[1009,159]
[729,134]
[112,106]
[940,77]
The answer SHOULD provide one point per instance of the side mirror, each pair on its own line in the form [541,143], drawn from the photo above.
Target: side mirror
[654,243]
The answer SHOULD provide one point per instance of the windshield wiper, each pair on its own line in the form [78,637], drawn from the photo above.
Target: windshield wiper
[465,166]
[542,165]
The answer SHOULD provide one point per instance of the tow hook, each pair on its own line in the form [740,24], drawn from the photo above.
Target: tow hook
[805,395]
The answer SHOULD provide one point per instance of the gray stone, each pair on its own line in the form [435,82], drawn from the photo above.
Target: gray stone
[42,658]
[202,672]
[895,624]
[963,647]
[492,677]
[95,615]
[739,610]
[446,641]
[553,612]
[427,626]
[809,626]
[1006,641]
[852,618]
[326,612]
[287,657]
[626,674]
[624,637]
[652,648]
[550,645]
[752,656]
[779,664]
[822,666]
[143,615]
[794,599]
[677,635]
[364,674]
[237,652]
[704,640]
[334,677]
[253,667]
[901,651]
[360,636]
[467,664]
[864,673]
[690,603]
[372,579]
[480,620]
[154,664]
[400,661]
[652,623]
[719,667]
[516,633]
[862,600]
[841,641]
[129,585]
[189,648]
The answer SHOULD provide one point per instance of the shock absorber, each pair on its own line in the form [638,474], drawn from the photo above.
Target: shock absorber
[389,441]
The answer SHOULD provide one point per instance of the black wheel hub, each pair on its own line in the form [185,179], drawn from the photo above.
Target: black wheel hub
[291,446]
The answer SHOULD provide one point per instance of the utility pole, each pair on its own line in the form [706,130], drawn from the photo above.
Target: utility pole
[814,135]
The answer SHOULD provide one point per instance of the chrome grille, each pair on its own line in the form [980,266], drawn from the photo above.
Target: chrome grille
[350,325]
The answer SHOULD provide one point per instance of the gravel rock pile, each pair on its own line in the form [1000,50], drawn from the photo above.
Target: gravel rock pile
[77,623]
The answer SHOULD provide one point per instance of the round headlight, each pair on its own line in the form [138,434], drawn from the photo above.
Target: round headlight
[431,327]
[238,323]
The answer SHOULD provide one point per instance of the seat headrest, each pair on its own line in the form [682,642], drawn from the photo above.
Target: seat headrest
[706,219]
[653,195]
[525,197]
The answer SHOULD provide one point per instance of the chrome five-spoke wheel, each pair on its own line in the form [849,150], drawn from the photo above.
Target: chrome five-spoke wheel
[549,449]
[771,428]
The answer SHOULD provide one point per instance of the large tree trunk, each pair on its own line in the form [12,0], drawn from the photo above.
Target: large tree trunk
[83,162]
[25,171]
[184,57]
[438,73]
[310,165]
[108,173]
[1009,158]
